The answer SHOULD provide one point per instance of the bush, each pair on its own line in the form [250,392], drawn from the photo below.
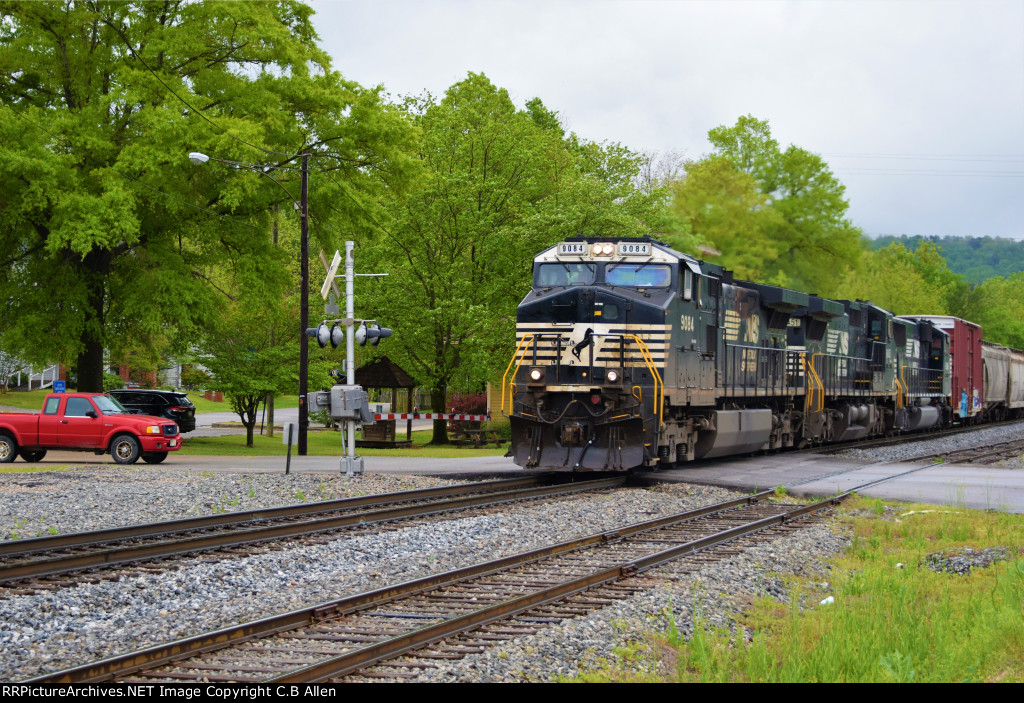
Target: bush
[111,381]
[502,426]
[466,404]
[193,378]
[139,375]
[322,417]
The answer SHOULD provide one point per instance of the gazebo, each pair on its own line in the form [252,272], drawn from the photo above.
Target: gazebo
[383,373]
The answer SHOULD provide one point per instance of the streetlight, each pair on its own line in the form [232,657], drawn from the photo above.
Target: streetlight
[199,158]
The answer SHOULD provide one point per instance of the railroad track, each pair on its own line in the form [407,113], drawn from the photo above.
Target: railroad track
[47,563]
[399,630]
[903,439]
[980,455]
[983,455]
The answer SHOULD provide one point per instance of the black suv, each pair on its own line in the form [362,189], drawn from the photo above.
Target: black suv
[170,404]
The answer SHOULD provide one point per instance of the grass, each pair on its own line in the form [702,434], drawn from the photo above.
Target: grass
[17,467]
[33,400]
[887,624]
[326,444]
[209,406]
[25,400]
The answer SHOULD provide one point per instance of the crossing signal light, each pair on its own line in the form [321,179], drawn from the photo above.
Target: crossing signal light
[373,334]
[324,335]
[381,333]
[337,335]
[320,333]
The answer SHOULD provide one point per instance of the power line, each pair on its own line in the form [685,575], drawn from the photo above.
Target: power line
[986,158]
[924,172]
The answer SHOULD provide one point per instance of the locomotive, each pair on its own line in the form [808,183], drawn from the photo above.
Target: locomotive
[630,354]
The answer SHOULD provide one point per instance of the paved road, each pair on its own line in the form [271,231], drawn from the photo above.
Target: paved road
[963,485]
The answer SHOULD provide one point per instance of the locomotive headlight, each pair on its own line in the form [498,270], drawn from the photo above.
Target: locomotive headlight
[536,375]
[612,376]
[603,249]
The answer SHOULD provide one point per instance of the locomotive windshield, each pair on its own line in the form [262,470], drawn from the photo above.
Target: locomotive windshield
[638,275]
[566,274]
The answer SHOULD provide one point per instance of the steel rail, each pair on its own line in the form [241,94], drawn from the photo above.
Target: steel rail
[169,653]
[132,553]
[75,539]
[397,646]
[921,436]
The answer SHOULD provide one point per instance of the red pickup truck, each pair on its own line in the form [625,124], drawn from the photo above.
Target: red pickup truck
[87,422]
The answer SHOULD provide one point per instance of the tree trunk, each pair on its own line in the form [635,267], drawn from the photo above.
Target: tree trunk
[94,269]
[439,400]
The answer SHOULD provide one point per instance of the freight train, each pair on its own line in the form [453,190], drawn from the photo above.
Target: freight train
[630,354]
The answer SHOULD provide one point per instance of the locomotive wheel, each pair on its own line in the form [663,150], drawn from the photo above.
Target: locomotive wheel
[154,457]
[8,449]
[125,449]
[33,457]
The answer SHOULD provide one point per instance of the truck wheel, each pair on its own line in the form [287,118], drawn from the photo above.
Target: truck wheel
[154,457]
[32,457]
[125,449]
[8,449]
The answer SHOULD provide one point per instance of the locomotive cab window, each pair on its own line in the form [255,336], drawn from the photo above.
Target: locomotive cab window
[566,274]
[638,275]
[687,284]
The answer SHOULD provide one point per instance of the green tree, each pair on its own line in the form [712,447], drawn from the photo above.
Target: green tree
[910,282]
[999,309]
[496,184]
[723,206]
[110,237]
[894,280]
[250,354]
[811,236]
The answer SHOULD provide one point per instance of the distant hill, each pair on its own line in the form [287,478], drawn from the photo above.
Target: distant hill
[974,258]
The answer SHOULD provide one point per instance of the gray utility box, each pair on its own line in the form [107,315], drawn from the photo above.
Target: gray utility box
[351,403]
[318,400]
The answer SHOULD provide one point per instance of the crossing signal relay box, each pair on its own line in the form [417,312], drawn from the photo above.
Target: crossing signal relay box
[344,403]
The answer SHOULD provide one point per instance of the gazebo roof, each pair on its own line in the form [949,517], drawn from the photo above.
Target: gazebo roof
[383,373]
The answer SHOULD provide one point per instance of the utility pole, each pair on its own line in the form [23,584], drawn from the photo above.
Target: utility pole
[304,311]
[353,464]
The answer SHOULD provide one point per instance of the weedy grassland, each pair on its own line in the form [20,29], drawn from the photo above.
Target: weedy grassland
[893,618]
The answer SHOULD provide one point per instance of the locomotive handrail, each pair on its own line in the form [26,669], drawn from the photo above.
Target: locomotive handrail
[821,384]
[526,338]
[809,395]
[812,378]
[901,387]
[659,408]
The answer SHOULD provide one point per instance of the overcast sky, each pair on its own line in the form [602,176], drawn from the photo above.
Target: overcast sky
[917,106]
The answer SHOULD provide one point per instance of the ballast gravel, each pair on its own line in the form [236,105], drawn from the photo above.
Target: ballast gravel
[46,632]
[911,451]
[960,560]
